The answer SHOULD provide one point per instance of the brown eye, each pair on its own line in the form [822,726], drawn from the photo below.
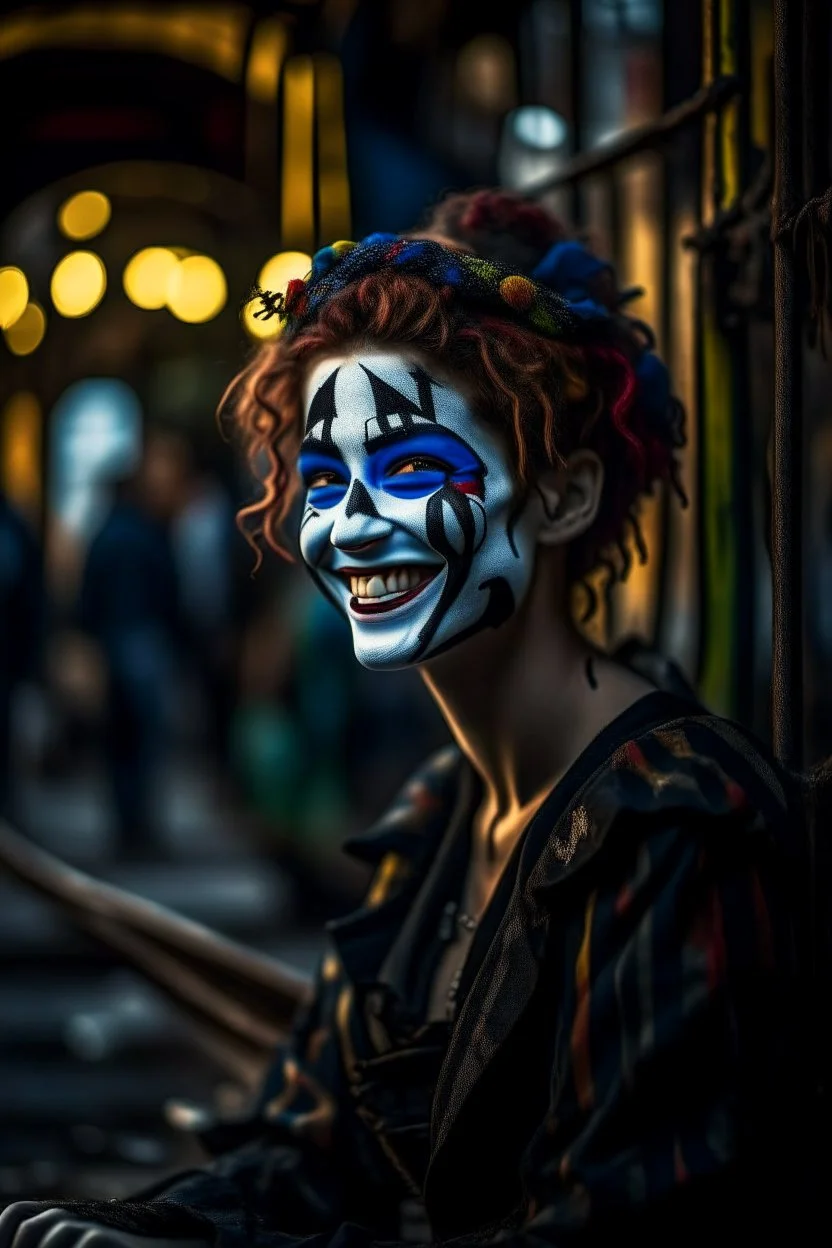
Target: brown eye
[418,464]
[319,479]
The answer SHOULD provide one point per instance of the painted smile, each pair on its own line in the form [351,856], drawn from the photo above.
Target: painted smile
[376,591]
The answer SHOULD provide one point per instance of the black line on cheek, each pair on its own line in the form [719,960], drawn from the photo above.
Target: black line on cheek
[499,608]
[310,514]
[458,565]
[359,502]
[516,513]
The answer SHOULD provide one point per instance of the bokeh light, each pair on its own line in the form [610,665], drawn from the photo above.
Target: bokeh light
[78,283]
[147,276]
[84,215]
[275,275]
[14,295]
[197,290]
[21,429]
[26,335]
[539,127]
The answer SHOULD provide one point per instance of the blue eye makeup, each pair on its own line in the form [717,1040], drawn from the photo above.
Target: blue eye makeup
[411,467]
[422,463]
[325,478]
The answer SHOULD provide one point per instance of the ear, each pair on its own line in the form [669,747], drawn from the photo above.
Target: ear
[569,498]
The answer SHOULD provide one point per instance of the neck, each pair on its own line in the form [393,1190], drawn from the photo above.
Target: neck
[519,702]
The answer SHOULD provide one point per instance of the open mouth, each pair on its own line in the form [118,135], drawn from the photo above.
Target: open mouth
[375,591]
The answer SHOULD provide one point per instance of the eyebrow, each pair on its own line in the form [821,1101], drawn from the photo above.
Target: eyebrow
[312,446]
[382,440]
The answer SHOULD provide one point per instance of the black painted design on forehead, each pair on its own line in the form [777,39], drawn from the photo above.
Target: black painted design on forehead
[322,413]
[359,502]
[395,412]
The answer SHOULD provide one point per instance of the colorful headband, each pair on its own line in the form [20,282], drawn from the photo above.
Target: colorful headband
[558,300]
[483,284]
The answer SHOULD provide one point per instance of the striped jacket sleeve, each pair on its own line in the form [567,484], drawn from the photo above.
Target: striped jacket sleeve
[672,1086]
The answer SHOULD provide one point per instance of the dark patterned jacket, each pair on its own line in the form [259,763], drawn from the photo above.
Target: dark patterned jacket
[626,1060]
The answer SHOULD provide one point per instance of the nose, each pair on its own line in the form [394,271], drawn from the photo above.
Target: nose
[358,522]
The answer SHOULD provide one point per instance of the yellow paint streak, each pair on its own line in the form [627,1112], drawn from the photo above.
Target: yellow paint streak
[635,600]
[21,431]
[297,203]
[268,52]
[333,180]
[729,121]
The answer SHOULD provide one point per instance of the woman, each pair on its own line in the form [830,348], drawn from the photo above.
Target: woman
[565,1009]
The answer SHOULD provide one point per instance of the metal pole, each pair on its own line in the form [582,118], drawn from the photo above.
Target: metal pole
[787,469]
[576,95]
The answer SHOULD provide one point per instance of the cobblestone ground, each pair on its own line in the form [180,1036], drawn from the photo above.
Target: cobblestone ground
[89,1053]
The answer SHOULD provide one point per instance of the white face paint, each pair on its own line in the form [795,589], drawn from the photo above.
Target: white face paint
[412,522]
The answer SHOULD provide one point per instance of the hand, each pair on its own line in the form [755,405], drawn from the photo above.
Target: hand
[26,1224]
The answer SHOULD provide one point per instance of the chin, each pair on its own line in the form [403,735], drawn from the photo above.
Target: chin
[380,657]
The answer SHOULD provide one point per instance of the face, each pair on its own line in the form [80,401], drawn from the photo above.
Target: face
[412,521]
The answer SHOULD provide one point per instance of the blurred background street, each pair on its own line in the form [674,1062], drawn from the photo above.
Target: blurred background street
[202,736]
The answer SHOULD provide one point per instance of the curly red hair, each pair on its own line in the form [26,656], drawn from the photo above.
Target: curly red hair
[545,396]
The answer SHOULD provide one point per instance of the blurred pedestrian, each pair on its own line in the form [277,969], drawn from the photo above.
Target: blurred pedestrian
[130,606]
[21,626]
[203,534]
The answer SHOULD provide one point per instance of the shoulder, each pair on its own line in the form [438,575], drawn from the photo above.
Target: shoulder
[700,762]
[701,776]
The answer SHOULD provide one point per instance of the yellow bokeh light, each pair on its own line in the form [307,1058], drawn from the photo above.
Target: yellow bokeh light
[275,275]
[21,430]
[78,283]
[84,215]
[26,335]
[197,290]
[147,276]
[14,295]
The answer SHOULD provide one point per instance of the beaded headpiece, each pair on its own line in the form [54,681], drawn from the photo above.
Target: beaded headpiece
[557,300]
[483,284]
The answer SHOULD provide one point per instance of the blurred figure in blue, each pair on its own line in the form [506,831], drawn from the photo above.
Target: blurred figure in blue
[21,626]
[130,606]
[204,534]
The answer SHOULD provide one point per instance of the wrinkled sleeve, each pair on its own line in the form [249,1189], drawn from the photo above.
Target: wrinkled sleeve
[302,1161]
[671,978]
[673,1086]
[671,1078]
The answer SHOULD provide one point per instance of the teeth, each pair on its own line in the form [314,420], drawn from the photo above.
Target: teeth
[396,581]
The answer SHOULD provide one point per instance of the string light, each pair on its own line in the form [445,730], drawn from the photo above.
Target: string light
[26,335]
[147,276]
[78,283]
[14,295]
[84,215]
[197,290]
